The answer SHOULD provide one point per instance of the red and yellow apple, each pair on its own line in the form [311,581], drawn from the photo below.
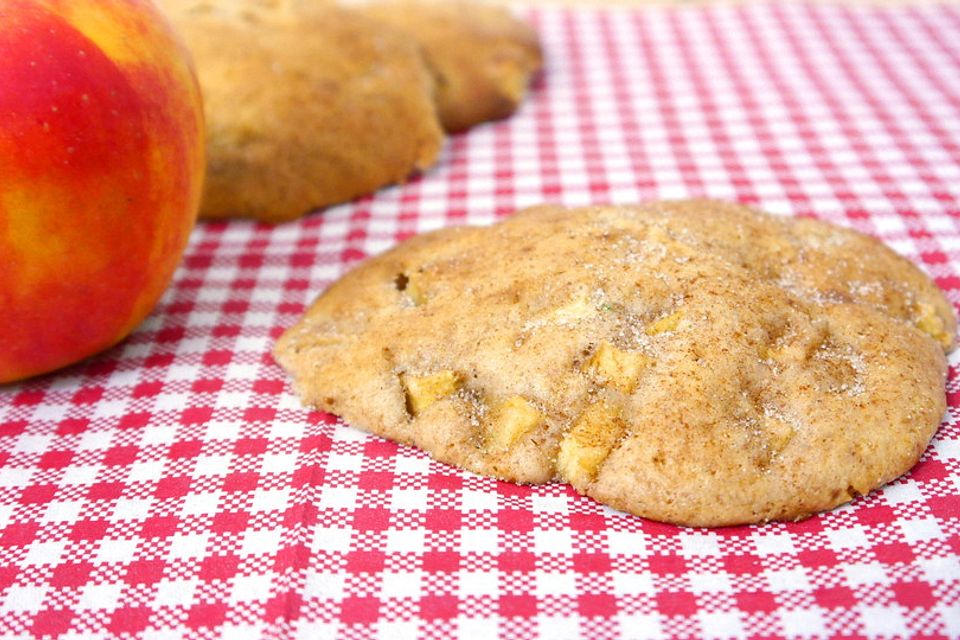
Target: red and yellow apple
[101,169]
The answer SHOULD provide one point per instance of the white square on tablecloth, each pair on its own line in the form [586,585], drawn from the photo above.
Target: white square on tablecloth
[947,448]
[131,508]
[235,631]
[146,470]
[549,504]
[324,585]
[943,224]
[478,583]
[851,537]
[939,569]
[100,596]
[344,462]
[888,224]
[552,541]
[699,544]
[720,624]
[180,371]
[24,598]
[159,634]
[772,543]
[626,543]
[41,553]
[405,540]
[251,587]
[282,430]
[243,370]
[803,623]
[478,541]
[338,497]
[474,628]
[74,474]
[67,511]
[103,409]
[231,399]
[278,463]
[187,545]
[308,630]
[556,583]
[201,503]
[159,434]
[632,583]
[397,629]
[17,477]
[864,574]
[409,499]
[558,627]
[883,621]
[718,582]
[30,443]
[94,440]
[175,593]
[51,411]
[472,500]
[264,541]
[270,499]
[401,584]
[787,580]
[920,529]
[951,618]
[408,463]
[640,626]
[116,550]
[902,492]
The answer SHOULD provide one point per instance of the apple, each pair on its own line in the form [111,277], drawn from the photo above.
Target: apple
[101,170]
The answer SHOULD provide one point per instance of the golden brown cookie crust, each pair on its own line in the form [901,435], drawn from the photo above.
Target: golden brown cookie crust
[304,108]
[483,57]
[692,362]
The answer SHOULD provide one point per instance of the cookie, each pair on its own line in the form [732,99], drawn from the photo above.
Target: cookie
[692,362]
[483,57]
[304,109]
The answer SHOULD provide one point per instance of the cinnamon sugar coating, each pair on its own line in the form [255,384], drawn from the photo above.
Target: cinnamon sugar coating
[692,362]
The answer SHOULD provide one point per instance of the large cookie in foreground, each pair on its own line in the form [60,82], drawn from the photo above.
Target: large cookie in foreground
[691,362]
[304,108]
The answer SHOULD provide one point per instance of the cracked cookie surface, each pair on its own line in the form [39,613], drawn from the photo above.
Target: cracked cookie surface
[692,362]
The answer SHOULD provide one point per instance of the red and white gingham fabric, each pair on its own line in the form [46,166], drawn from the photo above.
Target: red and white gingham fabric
[173,487]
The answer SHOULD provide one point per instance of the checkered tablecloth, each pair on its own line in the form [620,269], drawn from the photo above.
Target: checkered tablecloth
[173,487]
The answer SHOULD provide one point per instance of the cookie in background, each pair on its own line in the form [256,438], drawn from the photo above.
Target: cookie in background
[311,104]
[304,112]
[482,56]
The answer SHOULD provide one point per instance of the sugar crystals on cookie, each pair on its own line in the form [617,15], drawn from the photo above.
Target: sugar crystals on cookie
[692,362]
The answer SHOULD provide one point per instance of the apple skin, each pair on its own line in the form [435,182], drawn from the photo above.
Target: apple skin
[101,171]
